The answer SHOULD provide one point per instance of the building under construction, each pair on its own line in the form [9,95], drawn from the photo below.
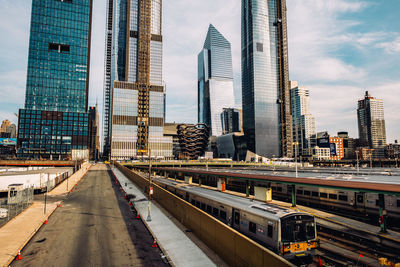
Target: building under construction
[134,97]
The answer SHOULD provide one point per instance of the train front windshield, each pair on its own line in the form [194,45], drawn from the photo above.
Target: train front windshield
[298,228]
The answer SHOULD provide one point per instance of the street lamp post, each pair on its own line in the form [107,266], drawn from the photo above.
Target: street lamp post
[150,189]
[370,159]
[358,169]
[295,155]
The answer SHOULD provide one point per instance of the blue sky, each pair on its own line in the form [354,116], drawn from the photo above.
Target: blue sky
[338,49]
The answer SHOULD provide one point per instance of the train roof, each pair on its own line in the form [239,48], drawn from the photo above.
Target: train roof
[267,210]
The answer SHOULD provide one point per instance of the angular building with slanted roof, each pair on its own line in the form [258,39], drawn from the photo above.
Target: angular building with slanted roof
[215,80]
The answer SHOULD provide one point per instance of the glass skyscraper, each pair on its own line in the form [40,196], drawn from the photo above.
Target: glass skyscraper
[134,98]
[303,122]
[215,80]
[55,118]
[265,78]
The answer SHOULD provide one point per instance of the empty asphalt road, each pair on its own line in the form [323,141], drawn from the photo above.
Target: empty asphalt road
[94,227]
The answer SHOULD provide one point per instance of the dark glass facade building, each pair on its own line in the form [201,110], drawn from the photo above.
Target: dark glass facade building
[55,118]
[231,119]
[265,78]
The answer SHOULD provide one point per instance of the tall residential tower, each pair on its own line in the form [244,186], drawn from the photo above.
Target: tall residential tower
[303,121]
[134,97]
[371,122]
[55,118]
[215,80]
[265,78]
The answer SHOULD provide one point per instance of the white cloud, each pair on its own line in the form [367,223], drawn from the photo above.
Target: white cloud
[317,33]
[391,47]
[185,25]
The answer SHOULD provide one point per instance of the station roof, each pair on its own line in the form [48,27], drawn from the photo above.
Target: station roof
[364,183]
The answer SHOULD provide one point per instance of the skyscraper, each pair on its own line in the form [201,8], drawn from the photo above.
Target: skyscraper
[215,80]
[371,122]
[55,118]
[134,98]
[265,78]
[303,121]
[231,119]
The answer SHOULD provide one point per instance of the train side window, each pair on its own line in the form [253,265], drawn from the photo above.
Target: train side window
[360,199]
[314,194]
[398,202]
[222,214]
[198,204]
[307,193]
[215,212]
[193,202]
[300,192]
[279,189]
[377,202]
[343,197]
[203,206]
[237,218]
[332,196]
[274,188]
[209,209]
[324,195]
[252,227]
[270,231]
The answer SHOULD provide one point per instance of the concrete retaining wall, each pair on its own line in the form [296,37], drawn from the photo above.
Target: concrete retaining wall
[234,248]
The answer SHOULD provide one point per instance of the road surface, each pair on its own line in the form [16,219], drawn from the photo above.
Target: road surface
[94,227]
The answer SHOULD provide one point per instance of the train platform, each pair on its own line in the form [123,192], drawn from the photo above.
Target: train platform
[341,225]
[182,249]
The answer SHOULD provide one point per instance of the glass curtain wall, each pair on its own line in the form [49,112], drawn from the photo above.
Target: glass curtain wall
[264,77]
[215,80]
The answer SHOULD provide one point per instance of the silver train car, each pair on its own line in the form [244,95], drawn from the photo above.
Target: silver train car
[352,202]
[288,233]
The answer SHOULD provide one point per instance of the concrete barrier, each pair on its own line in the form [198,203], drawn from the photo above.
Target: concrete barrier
[233,247]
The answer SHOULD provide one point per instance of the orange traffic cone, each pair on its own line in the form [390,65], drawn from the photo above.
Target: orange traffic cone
[319,261]
[19,257]
[45,221]
[59,205]
[125,195]
[154,244]
[130,204]
[70,191]
[138,216]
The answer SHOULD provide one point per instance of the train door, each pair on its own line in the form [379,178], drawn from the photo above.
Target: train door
[235,219]
[359,201]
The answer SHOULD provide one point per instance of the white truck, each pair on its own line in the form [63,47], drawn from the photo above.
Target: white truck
[3,213]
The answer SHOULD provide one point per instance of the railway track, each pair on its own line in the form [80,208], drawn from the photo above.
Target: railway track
[349,248]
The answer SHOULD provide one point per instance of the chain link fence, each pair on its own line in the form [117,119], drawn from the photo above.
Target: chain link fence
[17,201]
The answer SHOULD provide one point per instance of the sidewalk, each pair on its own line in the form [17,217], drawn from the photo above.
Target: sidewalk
[180,249]
[15,234]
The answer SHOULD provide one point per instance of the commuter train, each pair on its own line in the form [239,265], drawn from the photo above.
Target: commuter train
[333,199]
[288,233]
